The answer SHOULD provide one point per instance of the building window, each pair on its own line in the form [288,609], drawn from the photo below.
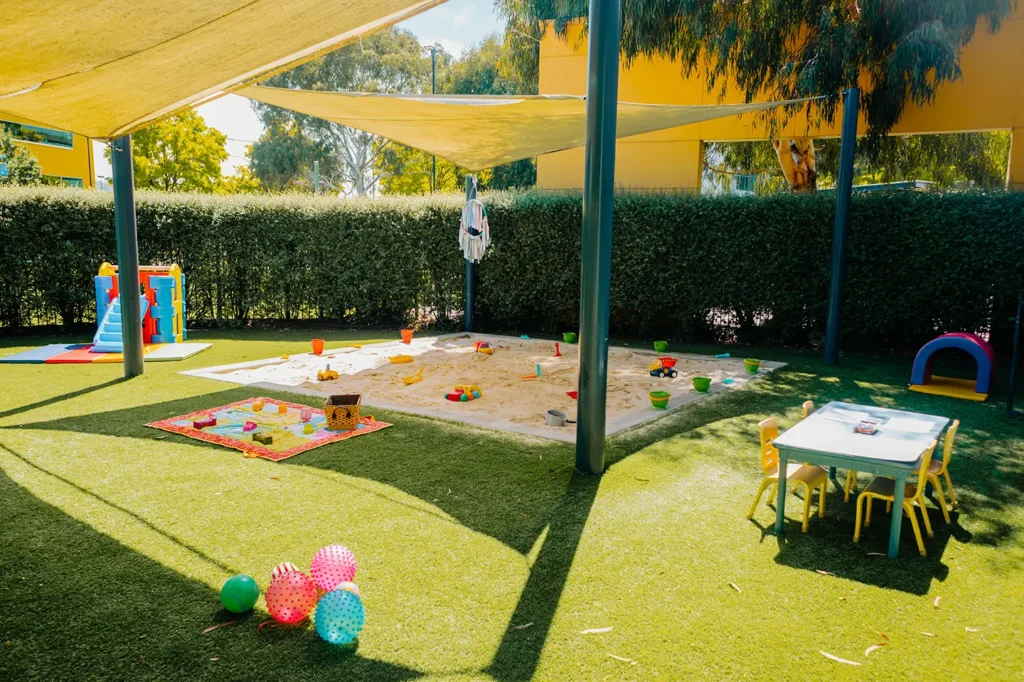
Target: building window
[37,135]
[61,180]
[746,183]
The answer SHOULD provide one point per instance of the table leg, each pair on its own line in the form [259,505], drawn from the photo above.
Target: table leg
[832,475]
[897,517]
[780,501]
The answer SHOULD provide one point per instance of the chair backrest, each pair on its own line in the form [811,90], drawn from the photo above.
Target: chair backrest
[947,448]
[768,431]
[808,408]
[922,472]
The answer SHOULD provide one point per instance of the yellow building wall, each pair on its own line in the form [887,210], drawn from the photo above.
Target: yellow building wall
[990,96]
[76,162]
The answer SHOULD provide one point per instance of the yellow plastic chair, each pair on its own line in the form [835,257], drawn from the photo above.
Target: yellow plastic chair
[805,475]
[913,493]
[936,469]
[808,407]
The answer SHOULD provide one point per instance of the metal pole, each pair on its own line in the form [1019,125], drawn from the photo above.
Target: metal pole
[844,191]
[596,255]
[316,176]
[470,265]
[1015,361]
[433,90]
[127,254]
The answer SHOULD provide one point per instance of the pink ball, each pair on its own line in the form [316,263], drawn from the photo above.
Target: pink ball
[332,566]
[291,597]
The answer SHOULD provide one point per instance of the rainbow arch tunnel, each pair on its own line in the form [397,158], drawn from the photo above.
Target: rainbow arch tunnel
[923,381]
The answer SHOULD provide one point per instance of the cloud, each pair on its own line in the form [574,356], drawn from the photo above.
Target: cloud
[460,19]
[452,47]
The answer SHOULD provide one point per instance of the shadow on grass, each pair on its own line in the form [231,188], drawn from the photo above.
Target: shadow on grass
[828,546]
[123,510]
[515,489]
[508,488]
[60,398]
[123,616]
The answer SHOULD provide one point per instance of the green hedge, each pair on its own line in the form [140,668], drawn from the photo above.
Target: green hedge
[684,267]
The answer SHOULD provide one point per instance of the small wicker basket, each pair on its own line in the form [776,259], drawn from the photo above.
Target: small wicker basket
[342,412]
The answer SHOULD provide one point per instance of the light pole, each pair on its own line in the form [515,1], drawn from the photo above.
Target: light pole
[433,90]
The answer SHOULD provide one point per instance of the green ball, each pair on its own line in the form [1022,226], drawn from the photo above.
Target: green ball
[239,594]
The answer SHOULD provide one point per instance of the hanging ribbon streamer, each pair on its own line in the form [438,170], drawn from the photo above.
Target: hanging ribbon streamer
[474,233]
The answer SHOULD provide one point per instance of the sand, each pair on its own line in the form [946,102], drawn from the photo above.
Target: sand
[507,399]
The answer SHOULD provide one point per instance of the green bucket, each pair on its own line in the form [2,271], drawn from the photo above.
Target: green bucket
[569,337]
[659,399]
[751,365]
[701,384]
[660,346]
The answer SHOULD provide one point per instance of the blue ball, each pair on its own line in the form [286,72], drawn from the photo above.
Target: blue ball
[340,616]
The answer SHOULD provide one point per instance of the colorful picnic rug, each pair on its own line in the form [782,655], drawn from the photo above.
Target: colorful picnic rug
[286,428]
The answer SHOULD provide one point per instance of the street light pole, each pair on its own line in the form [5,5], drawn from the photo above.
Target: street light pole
[433,90]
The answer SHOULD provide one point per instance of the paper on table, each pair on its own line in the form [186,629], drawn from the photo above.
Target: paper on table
[846,416]
[908,425]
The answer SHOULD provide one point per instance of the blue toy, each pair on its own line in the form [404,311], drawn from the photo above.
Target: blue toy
[340,616]
[923,381]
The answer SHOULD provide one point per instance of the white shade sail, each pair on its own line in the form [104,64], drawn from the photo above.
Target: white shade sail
[108,67]
[482,131]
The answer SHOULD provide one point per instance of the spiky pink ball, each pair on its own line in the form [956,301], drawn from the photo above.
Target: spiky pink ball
[332,566]
[291,597]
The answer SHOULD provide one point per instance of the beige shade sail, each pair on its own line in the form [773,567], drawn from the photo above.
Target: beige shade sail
[482,131]
[108,67]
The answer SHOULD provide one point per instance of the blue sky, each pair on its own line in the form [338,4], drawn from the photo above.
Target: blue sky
[455,25]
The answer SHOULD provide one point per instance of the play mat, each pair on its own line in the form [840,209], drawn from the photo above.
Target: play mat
[285,430]
[512,397]
[76,354]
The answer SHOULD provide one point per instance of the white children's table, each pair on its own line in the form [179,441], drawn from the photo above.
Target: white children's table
[827,438]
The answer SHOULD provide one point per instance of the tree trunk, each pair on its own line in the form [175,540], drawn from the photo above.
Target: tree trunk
[796,156]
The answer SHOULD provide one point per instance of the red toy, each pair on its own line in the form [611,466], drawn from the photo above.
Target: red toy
[558,353]
[203,423]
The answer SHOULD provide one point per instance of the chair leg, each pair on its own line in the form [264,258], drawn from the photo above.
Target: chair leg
[867,514]
[934,480]
[952,495]
[888,506]
[807,507]
[851,484]
[860,514]
[771,494]
[821,499]
[760,491]
[927,521]
[909,508]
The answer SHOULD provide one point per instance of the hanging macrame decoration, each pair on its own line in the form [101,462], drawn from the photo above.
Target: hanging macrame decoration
[474,234]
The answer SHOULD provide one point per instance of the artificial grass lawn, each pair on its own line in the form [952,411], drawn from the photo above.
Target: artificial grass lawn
[482,556]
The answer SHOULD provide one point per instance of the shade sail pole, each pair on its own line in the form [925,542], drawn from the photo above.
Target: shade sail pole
[844,192]
[470,284]
[127,254]
[596,252]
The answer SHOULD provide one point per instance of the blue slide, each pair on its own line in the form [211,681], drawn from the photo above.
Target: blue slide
[108,337]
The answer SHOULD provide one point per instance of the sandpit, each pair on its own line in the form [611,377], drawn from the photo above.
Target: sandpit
[508,402]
